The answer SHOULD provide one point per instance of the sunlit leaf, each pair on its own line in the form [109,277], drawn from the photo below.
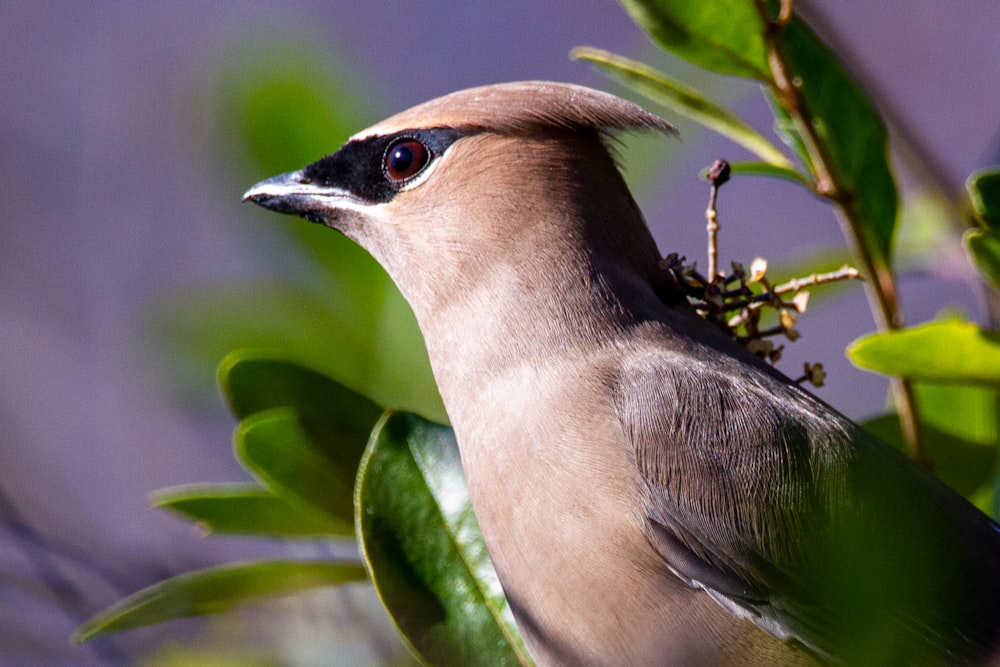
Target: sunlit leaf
[725,36]
[243,509]
[948,351]
[684,100]
[424,550]
[215,590]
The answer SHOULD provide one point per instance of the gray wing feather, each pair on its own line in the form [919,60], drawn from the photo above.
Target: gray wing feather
[792,516]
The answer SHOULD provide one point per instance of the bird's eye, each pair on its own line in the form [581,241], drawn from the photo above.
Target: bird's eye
[404,159]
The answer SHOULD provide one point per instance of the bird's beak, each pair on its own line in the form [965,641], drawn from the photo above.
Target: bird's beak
[295,194]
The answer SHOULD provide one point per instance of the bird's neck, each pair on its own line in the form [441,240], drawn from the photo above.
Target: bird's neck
[543,295]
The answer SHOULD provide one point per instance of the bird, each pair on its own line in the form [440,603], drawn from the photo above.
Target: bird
[650,492]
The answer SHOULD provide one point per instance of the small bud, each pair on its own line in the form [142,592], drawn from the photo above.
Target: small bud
[718,173]
[800,301]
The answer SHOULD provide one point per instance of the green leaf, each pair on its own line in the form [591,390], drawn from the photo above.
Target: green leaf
[967,412]
[785,128]
[377,351]
[984,247]
[215,590]
[949,351]
[725,36]
[244,509]
[278,447]
[685,100]
[281,108]
[765,169]
[984,189]
[852,135]
[964,466]
[253,380]
[424,551]
[960,427]
[272,110]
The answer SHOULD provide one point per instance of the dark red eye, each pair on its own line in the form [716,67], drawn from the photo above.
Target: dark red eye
[404,159]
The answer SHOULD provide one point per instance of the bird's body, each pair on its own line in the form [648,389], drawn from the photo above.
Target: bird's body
[650,492]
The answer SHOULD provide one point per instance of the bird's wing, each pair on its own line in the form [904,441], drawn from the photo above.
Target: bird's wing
[790,515]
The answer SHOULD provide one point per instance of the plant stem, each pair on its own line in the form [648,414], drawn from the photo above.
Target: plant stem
[881,287]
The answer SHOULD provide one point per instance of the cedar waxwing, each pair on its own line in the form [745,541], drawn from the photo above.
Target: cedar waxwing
[649,491]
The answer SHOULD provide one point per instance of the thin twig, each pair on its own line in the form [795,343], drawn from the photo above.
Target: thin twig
[717,174]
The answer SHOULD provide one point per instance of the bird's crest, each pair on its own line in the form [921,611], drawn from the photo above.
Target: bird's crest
[525,106]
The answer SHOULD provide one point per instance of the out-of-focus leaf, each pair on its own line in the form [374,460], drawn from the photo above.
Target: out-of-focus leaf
[725,36]
[949,351]
[984,189]
[378,352]
[962,465]
[687,101]
[268,111]
[253,380]
[244,509]
[852,133]
[765,169]
[287,110]
[278,448]
[925,237]
[197,327]
[984,247]
[424,550]
[215,590]
[283,103]
[967,412]
[961,426]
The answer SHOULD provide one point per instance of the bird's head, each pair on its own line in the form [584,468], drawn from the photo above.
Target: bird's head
[466,179]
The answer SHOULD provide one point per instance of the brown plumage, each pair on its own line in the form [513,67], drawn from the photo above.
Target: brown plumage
[650,493]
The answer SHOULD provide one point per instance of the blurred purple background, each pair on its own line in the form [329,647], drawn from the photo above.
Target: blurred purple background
[111,202]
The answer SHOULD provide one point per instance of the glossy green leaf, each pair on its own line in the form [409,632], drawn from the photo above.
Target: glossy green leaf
[725,36]
[215,590]
[684,100]
[984,189]
[984,248]
[244,509]
[278,447]
[424,550]
[852,134]
[947,351]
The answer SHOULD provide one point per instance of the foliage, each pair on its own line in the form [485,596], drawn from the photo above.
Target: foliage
[331,464]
